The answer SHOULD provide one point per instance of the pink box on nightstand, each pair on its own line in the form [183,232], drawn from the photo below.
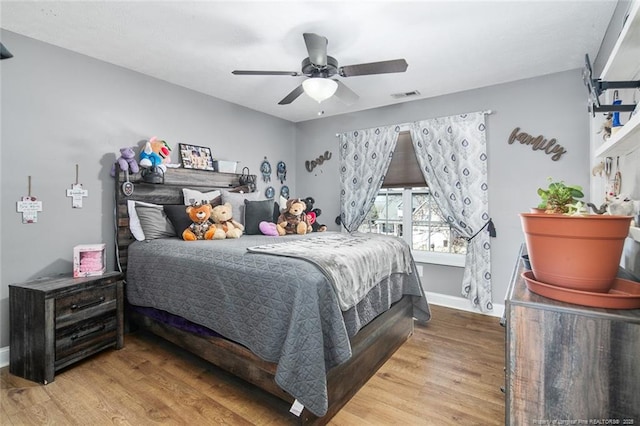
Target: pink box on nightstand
[89,260]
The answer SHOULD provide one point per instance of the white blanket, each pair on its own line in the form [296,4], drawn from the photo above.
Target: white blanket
[354,263]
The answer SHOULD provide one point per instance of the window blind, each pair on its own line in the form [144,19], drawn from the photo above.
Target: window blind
[404,170]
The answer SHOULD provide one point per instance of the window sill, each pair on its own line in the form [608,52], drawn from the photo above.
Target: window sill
[446,259]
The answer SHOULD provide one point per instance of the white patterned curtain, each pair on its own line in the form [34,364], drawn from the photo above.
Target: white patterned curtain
[365,156]
[452,154]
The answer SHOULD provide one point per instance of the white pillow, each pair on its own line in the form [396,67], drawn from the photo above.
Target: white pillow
[191,195]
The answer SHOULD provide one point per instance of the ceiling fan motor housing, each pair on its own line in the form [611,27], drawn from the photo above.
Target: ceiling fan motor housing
[312,70]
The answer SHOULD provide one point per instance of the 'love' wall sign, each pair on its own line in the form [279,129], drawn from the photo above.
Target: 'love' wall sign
[538,143]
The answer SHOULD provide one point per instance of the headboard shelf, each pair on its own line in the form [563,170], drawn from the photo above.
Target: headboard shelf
[169,192]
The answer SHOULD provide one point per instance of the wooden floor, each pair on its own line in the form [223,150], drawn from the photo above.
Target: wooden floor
[449,372]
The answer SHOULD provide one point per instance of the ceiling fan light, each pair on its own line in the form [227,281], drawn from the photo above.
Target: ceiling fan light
[319,89]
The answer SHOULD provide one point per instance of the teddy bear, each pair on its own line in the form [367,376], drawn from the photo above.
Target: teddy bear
[201,228]
[225,226]
[126,161]
[313,214]
[293,220]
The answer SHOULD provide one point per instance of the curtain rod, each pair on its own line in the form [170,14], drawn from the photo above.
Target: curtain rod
[485,112]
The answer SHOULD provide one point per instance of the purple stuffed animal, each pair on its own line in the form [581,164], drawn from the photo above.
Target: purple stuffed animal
[127,161]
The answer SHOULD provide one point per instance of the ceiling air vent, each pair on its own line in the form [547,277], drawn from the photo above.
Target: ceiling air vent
[405,94]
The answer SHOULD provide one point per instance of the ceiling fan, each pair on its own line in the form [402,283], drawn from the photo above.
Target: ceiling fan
[320,68]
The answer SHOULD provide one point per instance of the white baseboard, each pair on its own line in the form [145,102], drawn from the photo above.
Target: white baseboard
[461,304]
[4,356]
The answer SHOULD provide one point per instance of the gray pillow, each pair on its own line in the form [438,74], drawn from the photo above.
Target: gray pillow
[154,222]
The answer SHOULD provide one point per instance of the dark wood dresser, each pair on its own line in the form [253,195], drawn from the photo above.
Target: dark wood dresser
[57,321]
[567,362]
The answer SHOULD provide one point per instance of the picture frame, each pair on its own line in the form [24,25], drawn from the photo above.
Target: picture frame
[196,157]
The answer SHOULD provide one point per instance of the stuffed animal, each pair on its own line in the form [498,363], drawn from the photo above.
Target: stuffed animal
[148,158]
[293,220]
[201,228]
[126,161]
[313,214]
[225,226]
[161,148]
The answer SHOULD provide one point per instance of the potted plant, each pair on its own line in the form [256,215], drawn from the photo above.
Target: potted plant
[558,197]
[569,248]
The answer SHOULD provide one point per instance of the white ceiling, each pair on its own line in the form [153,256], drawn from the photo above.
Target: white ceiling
[450,46]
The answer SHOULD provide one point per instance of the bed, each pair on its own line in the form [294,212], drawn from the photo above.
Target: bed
[259,309]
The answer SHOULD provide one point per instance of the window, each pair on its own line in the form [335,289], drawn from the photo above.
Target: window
[429,235]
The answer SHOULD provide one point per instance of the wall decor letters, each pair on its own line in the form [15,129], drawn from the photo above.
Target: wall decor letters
[310,165]
[538,143]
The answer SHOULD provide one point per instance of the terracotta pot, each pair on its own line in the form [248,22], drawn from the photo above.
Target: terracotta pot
[536,210]
[578,252]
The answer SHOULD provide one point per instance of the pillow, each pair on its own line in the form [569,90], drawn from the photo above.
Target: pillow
[177,214]
[256,212]
[191,195]
[147,217]
[236,199]
[154,222]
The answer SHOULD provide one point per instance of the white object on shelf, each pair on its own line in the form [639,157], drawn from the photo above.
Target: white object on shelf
[222,166]
[634,233]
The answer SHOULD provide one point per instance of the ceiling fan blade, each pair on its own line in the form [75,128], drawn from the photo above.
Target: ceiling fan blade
[383,67]
[292,96]
[246,72]
[317,48]
[345,94]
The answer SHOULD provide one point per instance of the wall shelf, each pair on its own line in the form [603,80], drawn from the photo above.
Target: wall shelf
[623,62]
[623,65]
[624,141]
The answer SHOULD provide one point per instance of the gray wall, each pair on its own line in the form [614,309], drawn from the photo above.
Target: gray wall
[60,109]
[553,106]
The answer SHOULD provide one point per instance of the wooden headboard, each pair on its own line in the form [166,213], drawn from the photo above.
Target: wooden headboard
[169,192]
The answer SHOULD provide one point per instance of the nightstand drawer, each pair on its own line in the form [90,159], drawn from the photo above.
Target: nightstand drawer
[85,337]
[85,304]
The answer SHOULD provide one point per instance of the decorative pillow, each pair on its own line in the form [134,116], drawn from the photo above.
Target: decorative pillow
[256,212]
[178,217]
[147,221]
[237,202]
[192,195]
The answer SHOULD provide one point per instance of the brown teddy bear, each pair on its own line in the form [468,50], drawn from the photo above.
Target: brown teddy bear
[225,226]
[200,228]
[294,220]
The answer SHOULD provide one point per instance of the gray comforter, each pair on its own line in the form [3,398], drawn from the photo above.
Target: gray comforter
[283,309]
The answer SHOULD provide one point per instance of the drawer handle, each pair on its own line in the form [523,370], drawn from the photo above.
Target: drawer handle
[88,304]
[95,330]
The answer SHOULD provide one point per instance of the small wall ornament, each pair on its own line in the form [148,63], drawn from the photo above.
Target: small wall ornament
[77,192]
[29,206]
[281,171]
[265,169]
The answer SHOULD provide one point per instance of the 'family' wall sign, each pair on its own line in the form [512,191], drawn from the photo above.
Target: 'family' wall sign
[538,143]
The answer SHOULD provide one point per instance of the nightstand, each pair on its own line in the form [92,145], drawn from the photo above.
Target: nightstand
[57,321]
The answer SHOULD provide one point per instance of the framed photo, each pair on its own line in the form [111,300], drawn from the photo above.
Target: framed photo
[196,157]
